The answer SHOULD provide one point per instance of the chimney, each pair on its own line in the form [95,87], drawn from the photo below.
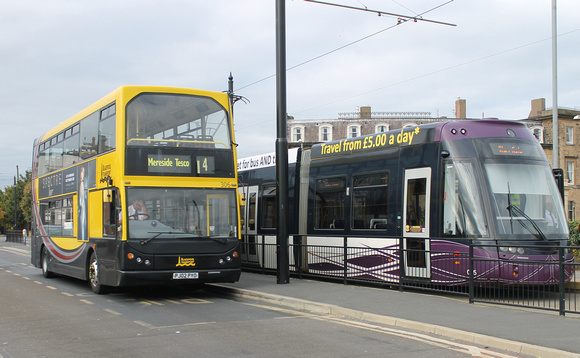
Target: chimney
[538,106]
[460,108]
[365,112]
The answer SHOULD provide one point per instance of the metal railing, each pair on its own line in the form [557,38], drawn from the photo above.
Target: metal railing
[520,281]
[15,236]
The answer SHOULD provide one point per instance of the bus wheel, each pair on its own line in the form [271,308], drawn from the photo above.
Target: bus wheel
[44,262]
[93,271]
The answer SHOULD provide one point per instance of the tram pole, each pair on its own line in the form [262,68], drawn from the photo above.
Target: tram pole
[282,269]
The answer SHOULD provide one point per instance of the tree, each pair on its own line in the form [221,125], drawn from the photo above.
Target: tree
[22,189]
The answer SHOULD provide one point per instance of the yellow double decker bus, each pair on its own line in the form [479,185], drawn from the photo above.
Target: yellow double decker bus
[139,188]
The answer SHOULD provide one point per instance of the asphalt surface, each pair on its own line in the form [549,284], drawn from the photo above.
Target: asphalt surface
[524,331]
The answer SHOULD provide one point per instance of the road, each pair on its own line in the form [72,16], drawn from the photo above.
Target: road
[61,317]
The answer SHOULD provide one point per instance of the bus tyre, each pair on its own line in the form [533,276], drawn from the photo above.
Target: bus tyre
[93,272]
[44,263]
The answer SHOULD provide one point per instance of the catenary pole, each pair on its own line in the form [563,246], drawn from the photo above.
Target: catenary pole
[282,270]
[555,154]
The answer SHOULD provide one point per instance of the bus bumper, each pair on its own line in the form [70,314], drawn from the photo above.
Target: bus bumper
[140,278]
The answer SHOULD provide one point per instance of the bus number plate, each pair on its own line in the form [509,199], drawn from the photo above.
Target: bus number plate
[185,275]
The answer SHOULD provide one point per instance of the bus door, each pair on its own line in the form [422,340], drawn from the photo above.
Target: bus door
[249,222]
[416,246]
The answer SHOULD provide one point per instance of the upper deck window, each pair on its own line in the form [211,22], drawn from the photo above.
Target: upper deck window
[170,120]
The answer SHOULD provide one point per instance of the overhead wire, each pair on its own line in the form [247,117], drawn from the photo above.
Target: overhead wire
[437,71]
[346,45]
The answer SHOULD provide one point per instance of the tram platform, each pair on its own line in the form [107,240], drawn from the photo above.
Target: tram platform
[524,331]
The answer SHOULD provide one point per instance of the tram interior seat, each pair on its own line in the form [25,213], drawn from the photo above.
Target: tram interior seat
[337,224]
[378,223]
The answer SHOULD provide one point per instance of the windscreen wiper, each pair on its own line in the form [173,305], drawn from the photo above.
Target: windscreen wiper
[159,233]
[532,221]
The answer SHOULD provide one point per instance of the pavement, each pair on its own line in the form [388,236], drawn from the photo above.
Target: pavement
[523,331]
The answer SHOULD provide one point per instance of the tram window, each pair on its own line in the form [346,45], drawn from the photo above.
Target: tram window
[370,201]
[416,197]
[269,218]
[329,208]
[462,206]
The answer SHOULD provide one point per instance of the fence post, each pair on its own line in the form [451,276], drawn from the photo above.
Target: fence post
[298,255]
[471,276]
[345,258]
[264,255]
[401,264]
[561,284]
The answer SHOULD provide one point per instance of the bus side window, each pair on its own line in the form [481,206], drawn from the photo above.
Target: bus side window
[110,215]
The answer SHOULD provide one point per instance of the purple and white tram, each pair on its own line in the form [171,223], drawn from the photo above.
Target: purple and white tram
[411,201]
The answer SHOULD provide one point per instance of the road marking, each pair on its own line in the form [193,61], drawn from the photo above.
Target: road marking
[51,287]
[424,338]
[112,312]
[195,300]
[150,326]
[87,302]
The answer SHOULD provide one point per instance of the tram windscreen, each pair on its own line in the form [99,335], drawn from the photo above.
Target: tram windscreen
[525,201]
[462,213]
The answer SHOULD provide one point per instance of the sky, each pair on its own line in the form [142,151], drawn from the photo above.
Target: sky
[59,56]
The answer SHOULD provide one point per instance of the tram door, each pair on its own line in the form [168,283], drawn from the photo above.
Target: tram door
[249,216]
[416,246]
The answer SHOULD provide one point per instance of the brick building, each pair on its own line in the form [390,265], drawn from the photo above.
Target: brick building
[305,133]
[540,122]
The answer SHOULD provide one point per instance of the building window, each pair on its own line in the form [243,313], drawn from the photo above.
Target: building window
[569,135]
[381,128]
[570,172]
[325,133]
[538,133]
[353,131]
[571,209]
[297,134]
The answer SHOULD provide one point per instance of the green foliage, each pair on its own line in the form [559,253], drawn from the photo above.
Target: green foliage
[575,236]
[22,189]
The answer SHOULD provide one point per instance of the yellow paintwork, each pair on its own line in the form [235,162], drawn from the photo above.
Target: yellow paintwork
[111,164]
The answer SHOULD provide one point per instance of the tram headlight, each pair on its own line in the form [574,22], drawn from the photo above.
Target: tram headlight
[521,250]
[221,261]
